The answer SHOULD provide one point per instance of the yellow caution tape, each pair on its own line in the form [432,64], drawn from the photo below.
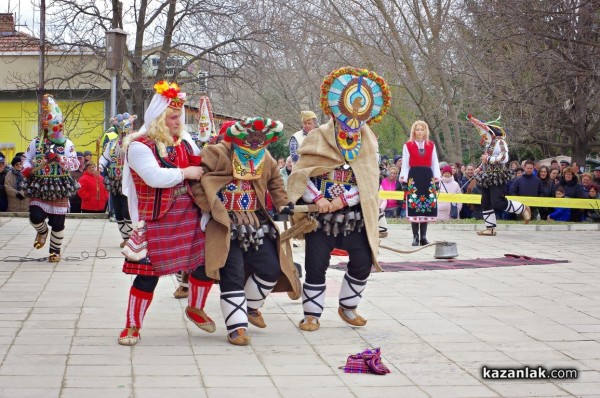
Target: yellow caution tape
[534,201]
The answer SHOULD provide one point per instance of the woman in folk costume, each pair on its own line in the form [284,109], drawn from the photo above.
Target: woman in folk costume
[421,173]
[338,171]
[493,175]
[46,166]
[111,165]
[205,136]
[159,162]
[239,171]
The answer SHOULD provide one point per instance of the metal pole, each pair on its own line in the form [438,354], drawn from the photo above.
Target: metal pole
[113,93]
[40,91]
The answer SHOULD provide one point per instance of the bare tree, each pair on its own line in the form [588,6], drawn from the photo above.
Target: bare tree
[539,62]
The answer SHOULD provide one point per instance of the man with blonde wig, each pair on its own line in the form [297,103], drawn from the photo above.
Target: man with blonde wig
[160,161]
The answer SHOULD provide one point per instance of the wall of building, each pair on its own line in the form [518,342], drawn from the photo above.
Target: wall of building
[84,123]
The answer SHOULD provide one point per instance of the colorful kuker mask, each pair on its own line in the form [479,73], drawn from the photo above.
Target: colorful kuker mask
[249,140]
[123,123]
[52,120]
[206,126]
[487,130]
[354,97]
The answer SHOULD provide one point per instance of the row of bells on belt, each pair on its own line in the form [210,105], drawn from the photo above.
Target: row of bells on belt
[341,222]
[249,236]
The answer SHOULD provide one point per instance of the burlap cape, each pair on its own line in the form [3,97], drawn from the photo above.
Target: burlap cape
[319,154]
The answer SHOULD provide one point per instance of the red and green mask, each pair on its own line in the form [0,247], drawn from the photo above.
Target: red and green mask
[249,139]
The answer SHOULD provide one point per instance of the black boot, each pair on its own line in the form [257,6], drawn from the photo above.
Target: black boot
[415,229]
[424,240]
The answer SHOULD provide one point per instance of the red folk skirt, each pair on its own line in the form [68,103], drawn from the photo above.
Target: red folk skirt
[175,242]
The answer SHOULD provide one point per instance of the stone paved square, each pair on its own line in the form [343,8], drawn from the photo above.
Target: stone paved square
[59,323]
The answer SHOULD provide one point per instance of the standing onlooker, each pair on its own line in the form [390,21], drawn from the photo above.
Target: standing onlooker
[309,122]
[593,215]
[514,165]
[75,200]
[421,172]
[457,172]
[554,164]
[527,185]
[281,163]
[448,185]
[563,165]
[467,185]
[560,213]
[3,173]
[390,183]
[586,181]
[87,156]
[573,189]
[548,189]
[597,175]
[286,171]
[93,193]
[536,167]
[15,187]
[555,175]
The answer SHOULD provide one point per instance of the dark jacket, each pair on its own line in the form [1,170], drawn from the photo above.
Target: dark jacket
[560,214]
[573,189]
[548,188]
[527,185]
[3,197]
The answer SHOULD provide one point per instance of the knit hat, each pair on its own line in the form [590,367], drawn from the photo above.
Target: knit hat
[396,158]
[308,115]
[16,159]
[446,169]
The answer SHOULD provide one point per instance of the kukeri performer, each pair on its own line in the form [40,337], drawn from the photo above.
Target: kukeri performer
[111,166]
[493,174]
[46,166]
[160,161]
[238,172]
[337,170]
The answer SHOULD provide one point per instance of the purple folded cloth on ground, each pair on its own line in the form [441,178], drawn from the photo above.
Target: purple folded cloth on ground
[368,361]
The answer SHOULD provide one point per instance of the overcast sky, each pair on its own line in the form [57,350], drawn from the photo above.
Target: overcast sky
[24,13]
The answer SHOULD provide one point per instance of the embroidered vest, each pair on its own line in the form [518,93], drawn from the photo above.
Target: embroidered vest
[239,195]
[420,158]
[153,203]
[334,183]
[53,169]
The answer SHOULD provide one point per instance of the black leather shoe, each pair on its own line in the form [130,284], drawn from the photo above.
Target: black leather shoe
[415,240]
[424,241]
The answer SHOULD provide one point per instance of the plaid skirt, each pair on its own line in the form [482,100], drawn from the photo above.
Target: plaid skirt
[175,242]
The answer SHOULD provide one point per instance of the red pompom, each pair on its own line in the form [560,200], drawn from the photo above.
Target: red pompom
[469,116]
[342,135]
[258,125]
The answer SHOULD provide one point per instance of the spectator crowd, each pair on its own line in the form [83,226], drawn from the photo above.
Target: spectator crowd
[559,180]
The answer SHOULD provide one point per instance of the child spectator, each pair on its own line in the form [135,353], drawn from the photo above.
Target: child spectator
[448,185]
[92,192]
[593,215]
[390,183]
[560,213]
